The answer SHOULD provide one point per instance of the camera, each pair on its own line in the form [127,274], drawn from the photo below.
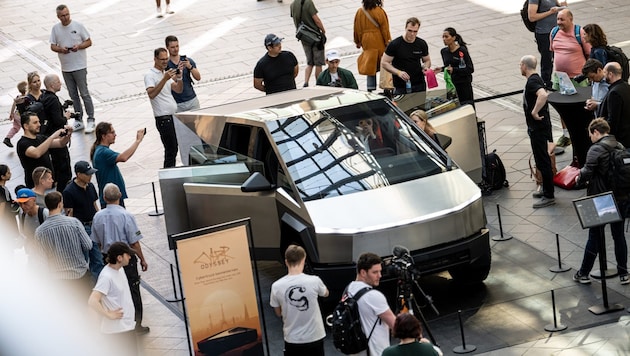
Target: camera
[335,83]
[400,265]
[64,133]
[75,115]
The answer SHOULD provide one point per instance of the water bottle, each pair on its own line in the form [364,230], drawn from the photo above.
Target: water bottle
[462,64]
[562,85]
[408,86]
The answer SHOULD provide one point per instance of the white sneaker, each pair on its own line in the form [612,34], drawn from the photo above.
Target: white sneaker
[89,128]
[159,13]
[168,10]
[77,126]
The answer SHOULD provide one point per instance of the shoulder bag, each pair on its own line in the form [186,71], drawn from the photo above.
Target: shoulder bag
[306,34]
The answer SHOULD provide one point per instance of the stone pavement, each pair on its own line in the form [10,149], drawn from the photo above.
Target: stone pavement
[225,39]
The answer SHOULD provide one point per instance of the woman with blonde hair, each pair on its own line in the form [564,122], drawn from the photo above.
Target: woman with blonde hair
[371,32]
[421,119]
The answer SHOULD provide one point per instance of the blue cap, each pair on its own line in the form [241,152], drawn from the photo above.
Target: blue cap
[24,194]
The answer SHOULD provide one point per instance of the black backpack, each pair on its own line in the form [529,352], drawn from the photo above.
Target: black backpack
[495,176]
[531,26]
[618,175]
[615,54]
[348,336]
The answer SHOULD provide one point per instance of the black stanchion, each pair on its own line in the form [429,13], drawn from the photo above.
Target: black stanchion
[555,326]
[174,288]
[606,308]
[463,349]
[558,269]
[156,212]
[500,237]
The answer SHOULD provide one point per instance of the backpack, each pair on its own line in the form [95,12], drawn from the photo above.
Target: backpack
[531,25]
[618,174]
[495,172]
[40,216]
[615,54]
[348,336]
[576,28]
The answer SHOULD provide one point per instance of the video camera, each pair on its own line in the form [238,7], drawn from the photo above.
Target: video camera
[66,104]
[400,265]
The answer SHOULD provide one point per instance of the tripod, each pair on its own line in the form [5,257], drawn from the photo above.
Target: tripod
[406,300]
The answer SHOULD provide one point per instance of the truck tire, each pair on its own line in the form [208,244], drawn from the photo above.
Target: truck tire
[475,272]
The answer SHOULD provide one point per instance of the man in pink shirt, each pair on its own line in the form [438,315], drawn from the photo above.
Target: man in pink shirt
[569,57]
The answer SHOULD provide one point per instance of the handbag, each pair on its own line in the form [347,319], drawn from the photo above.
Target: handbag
[386,81]
[431,79]
[306,34]
[565,178]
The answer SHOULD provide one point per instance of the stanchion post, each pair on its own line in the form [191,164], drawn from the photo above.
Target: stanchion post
[500,237]
[463,349]
[555,326]
[558,269]
[156,212]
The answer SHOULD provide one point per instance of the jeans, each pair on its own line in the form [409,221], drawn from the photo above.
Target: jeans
[371,82]
[94,256]
[166,128]
[546,57]
[619,239]
[76,82]
[538,140]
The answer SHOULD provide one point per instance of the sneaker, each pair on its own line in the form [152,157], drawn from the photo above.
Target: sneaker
[141,330]
[89,128]
[159,13]
[624,279]
[168,10]
[563,141]
[578,277]
[543,202]
[537,194]
[7,142]
[78,125]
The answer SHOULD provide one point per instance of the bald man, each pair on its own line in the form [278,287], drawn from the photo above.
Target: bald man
[615,106]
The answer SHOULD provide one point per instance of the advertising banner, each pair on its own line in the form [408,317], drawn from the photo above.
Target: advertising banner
[220,290]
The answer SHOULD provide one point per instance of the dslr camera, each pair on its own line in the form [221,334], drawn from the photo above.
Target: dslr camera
[74,115]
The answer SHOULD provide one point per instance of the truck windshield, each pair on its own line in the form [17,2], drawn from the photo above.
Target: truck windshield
[353,148]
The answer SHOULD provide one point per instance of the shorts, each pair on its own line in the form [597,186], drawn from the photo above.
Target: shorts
[314,56]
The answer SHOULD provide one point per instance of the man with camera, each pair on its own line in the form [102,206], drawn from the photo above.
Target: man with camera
[187,99]
[334,76]
[57,117]
[32,148]
[376,316]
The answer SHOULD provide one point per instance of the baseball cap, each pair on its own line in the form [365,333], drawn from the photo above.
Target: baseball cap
[332,54]
[24,194]
[118,248]
[272,39]
[84,167]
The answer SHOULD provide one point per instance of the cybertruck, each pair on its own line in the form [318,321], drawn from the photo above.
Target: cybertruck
[337,171]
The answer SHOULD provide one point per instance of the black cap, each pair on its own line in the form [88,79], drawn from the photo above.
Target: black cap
[272,39]
[84,167]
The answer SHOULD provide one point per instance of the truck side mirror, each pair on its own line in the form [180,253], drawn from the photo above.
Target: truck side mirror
[256,183]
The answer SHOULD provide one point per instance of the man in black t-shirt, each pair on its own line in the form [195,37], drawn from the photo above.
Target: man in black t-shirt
[407,57]
[277,69]
[32,148]
[536,111]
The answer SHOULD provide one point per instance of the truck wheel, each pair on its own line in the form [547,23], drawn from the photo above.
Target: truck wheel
[472,273]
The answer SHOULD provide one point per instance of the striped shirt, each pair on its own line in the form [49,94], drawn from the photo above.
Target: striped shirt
[64,244]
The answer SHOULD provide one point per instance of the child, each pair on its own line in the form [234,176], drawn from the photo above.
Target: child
[14,115]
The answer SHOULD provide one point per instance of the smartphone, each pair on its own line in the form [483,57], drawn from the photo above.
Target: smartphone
[145,131]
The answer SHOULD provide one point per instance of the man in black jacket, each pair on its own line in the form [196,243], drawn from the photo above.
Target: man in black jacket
[595,173]
[615,106]
[56,118]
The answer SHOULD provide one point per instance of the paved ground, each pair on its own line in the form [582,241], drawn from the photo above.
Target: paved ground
[225,39]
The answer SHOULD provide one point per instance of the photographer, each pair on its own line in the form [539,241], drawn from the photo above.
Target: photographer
[334,76]
[56,116]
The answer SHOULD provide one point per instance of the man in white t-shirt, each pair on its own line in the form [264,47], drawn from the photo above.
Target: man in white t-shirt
[294,298]
[376,316]
[111,298]
[159,83]
[70,39]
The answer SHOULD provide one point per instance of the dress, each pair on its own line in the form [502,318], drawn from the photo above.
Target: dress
[345,76]
[105,162]
[408,58]
[615,108]
[411,349]
[113,285]
[461,77]
[594,171]
[164,106]
[371,305]
[29,163]
[371,39]
[277,72]
[539,132]
[541,33]
[301,316]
